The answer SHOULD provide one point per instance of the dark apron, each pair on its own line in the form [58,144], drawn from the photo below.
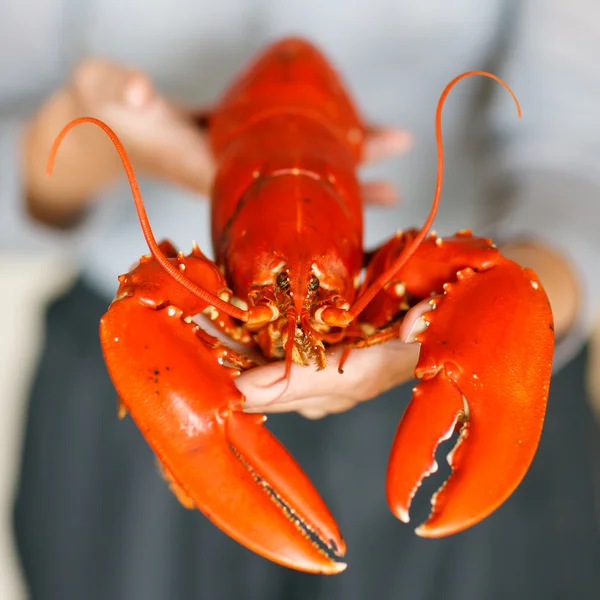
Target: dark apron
[95,521]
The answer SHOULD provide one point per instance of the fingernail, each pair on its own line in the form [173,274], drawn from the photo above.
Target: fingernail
[419,326]
[398,140]
[252,409]
[388,142]
[138,92]
[387,194]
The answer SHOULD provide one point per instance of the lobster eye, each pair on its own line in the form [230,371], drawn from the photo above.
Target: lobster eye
[314,284]
[283,283]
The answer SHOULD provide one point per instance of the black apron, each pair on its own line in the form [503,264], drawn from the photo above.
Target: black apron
[94,520]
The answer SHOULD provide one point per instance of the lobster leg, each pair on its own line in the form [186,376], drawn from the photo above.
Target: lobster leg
[173,379]
[484,370]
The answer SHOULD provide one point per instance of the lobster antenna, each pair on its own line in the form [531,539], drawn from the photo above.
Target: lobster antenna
[410,249]
[156,252]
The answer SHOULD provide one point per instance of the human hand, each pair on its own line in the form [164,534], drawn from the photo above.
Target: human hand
[160,140]
[368,372]
[314,394]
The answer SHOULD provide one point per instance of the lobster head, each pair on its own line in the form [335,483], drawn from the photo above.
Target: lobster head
[304,276]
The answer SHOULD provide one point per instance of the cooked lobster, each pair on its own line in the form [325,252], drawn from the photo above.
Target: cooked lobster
[291,277]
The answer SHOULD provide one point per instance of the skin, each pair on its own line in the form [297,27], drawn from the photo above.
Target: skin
[162,141]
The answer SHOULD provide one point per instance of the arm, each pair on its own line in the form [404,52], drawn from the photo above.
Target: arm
[18,231]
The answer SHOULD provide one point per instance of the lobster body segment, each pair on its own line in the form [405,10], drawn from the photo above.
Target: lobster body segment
[287,227]
[290,77]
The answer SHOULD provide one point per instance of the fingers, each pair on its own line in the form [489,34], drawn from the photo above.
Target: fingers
[311,408]
[382,142]
[367,373]
[413,323]
[315,394]
[138,91]
[98,82]
[380,193]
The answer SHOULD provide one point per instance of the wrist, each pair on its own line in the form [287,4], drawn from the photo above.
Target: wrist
[61,200]
[46,200]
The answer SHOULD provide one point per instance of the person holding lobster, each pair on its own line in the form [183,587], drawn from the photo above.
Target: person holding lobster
[109,527]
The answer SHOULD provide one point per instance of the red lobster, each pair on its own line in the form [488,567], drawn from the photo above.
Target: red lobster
[287,141]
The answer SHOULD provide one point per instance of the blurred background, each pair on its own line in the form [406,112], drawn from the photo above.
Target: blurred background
[28,284]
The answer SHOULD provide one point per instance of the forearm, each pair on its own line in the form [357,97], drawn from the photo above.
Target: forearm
[79,173]
[557,276]
[19,231]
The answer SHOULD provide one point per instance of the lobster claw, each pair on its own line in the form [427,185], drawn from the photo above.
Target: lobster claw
[484,370]
[174,380]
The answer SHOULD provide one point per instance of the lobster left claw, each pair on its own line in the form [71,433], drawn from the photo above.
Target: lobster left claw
[484,370]
[174,380]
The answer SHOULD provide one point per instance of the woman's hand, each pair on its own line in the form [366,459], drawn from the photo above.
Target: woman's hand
[368,372]
[160,139]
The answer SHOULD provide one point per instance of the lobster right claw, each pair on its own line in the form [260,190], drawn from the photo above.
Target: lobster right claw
[485,366]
